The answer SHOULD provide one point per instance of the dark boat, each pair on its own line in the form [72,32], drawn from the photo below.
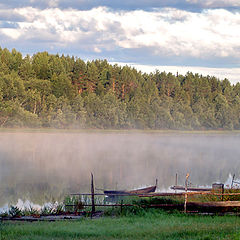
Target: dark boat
[144,190]
[131,192]
[115,192]
[137,191]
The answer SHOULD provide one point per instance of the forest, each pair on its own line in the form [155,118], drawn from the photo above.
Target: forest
[53,91]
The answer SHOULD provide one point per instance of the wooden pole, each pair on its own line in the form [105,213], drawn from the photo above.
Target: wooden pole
[186,196]
[222,192]
[176,181]
[92,192]
[232,180]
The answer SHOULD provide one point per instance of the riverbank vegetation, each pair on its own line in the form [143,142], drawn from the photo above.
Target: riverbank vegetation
[65,92]
[133,222]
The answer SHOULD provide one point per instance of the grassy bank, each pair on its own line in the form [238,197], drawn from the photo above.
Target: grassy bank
[153,225]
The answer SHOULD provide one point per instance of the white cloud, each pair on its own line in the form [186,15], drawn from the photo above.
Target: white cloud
[164,32]
[12,33]
[232,74]
[197,35]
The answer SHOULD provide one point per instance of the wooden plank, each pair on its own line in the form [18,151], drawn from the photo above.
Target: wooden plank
[217,204]
[103,205]
[182,188]
[42,218]
[201,204]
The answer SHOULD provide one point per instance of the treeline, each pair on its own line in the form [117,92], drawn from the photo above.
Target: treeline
[65,92]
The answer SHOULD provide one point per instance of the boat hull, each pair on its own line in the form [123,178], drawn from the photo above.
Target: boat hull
[131,192]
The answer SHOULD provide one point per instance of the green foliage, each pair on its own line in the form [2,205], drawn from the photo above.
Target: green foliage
[14,211]
[40,65]
[73,204]
[31,211]
[158,200]
[65,92]
[149,226]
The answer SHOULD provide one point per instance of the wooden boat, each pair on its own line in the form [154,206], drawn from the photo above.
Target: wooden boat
[145,190]
[115,192]
[131,192]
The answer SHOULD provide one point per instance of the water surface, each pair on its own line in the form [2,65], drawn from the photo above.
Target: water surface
[43,166]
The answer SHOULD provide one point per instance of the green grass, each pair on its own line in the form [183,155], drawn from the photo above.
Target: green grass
[151,225]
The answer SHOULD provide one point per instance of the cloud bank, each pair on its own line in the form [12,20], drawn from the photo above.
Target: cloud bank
[160,36]
[163,33]
[232,74]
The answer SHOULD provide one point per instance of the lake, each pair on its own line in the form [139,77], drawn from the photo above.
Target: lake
[43,166]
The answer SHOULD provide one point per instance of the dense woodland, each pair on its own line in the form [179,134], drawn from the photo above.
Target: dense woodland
[47,90]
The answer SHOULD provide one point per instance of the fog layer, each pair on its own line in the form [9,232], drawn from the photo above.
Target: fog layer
[44,166]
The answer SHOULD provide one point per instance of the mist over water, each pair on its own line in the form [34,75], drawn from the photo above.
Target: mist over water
[42,167]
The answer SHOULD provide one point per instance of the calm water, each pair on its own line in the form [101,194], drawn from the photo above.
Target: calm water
[44,166]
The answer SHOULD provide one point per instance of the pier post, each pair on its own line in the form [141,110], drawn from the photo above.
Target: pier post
[92,195]
[121,207]
[186,196]
[176,181]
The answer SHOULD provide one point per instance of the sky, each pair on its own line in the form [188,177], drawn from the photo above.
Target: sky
[201,36]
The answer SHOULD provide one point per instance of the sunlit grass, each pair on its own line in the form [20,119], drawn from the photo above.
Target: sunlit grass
[152,225]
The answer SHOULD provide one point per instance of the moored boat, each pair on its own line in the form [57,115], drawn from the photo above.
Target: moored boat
[145,190]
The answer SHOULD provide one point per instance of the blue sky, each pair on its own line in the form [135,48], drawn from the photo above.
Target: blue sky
[175,35]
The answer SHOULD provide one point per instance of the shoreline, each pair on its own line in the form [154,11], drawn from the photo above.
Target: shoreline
[128,131]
